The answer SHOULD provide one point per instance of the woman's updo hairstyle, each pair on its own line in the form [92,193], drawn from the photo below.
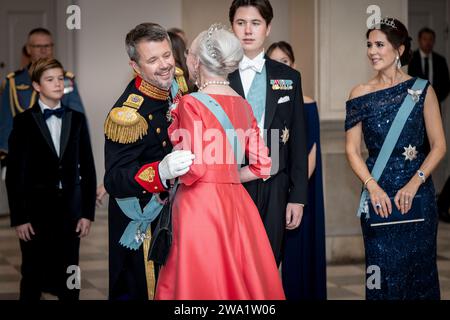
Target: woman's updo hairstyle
[219,50]
[397,35]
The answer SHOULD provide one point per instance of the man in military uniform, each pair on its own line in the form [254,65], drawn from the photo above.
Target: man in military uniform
[138,160]
[17,94]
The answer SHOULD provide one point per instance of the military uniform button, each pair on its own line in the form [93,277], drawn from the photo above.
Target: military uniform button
[164,143]
[144,192]
[150,117]
[158,131]
[156,188]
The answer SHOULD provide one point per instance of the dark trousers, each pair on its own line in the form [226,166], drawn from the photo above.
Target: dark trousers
[270,198]
[46,258]
[132,283]
[444,199]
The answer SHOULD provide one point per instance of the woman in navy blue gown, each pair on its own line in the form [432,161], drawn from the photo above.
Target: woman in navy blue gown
[402,256]
[304,263]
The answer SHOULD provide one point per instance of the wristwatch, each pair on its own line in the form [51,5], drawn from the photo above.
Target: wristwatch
[421,175]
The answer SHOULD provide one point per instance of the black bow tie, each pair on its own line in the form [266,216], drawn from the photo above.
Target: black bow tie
[53,112]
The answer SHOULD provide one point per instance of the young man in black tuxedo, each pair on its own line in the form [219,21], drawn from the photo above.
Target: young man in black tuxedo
[51,185]
[275,94]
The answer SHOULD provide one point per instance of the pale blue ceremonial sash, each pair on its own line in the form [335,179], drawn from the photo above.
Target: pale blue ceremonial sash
[391,140]
[224,121]
[134,235]
[256,95]
[174,89]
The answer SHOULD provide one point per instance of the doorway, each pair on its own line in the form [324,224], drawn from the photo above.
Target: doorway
[435,15]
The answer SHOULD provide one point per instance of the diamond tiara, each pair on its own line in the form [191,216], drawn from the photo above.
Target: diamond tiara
[388,22]
[209,43]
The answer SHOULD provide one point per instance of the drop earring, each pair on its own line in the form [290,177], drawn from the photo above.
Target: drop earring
[399,64]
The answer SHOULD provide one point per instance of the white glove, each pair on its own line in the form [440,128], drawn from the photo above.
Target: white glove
[175,164]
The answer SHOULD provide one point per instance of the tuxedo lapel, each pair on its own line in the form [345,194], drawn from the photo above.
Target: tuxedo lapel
[65,131]
[236,83]
[39,118]
[271,102]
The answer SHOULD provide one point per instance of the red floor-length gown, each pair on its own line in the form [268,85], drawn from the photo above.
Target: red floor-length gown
[220,249]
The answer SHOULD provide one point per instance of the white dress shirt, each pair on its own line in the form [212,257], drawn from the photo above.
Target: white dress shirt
[247,70]
[54,125]
[423,55]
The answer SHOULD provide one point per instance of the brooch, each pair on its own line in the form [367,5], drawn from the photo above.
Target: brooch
[415,94]
[410,153]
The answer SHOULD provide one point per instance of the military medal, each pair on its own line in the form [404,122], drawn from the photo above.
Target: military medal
[282,84]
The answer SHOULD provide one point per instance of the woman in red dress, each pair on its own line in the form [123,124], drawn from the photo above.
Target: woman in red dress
[220,249]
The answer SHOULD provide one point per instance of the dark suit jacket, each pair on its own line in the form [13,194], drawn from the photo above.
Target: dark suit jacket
[35,170]
[293,156]
[441,79]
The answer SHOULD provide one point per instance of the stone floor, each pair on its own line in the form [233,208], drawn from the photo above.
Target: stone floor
[345,282]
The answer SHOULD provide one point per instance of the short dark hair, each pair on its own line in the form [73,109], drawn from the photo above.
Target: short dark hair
[39,31]
[427,30]
[38,68]
[397,35]
[144,32]
[283,46]
[264,7]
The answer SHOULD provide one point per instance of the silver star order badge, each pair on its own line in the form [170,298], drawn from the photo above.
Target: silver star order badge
[415,94]
[169,116]
[285,135]
[410,153]
[172,107]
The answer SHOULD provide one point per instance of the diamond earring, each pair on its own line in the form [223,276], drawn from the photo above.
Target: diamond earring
[399,63]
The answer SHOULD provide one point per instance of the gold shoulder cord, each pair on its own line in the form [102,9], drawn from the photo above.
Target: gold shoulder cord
[179,76]
[149,267]
[14,99]
[124,124]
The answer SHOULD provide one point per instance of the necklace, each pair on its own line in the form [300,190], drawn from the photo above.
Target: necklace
[215,82]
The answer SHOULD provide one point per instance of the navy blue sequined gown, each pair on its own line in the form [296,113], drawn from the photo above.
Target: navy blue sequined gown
[405,253]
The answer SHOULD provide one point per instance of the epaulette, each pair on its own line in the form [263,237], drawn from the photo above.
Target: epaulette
[179,76]
[69,75]
[124,124]
[11,75]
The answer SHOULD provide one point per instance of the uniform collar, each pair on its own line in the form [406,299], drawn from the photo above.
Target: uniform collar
[150,90]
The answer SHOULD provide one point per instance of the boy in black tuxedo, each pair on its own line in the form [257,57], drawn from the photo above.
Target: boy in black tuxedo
[51,185]
[275,93]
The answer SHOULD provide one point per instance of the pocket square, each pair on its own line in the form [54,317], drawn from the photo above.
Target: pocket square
[284,99]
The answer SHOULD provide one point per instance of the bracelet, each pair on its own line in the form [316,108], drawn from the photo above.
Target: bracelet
[368,180]
[421,175]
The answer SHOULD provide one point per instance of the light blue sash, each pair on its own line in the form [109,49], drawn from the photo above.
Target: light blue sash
[391,140]
[134,234]
[225,122]
[174,89]
[256,96]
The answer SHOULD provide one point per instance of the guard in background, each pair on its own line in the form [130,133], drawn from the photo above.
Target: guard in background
[17,94]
